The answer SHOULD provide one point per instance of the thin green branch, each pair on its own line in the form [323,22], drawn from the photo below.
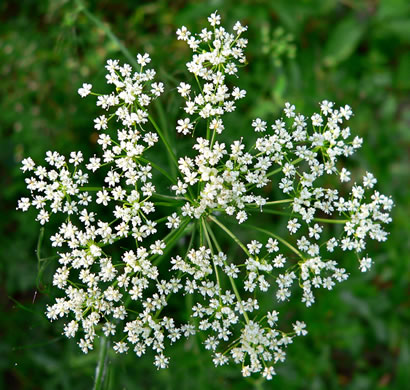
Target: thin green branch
[101,365]
[274,202]
[230,234]
[164,126]
[175,198]
[278,202]
[233,284]
[324,220]
[218,281]
[283,241]
[294,162]
[173,238]
[159,169]
[108,32]
[164,139]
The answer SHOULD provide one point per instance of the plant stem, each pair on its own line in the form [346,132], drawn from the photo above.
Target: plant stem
[279,169]
[101,365]
[173,238]
[164,127]
[39,244]
[164,139]
[234,288]
[324,220]
[230,234]
[159,169]
[218,281]
[169,197]
[90,189]
[279,238]
[274,202]
[108,32]
[279,201]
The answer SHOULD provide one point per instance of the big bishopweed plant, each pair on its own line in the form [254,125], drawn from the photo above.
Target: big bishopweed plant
[118,272]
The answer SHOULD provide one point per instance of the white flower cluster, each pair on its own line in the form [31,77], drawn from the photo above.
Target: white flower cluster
[223,183]
[117,276]
[217,53]
[93,281]
[260,344]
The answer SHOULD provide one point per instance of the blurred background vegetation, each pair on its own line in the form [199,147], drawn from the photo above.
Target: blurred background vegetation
[302,51]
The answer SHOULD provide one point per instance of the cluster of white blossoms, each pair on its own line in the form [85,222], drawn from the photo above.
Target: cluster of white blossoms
[120,272]
[218,53]
[222,181]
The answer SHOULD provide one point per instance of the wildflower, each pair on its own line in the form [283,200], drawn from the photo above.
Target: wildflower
[143,59]
[99,277]
[85,90]
[184,126]
[365,264]
[259,125]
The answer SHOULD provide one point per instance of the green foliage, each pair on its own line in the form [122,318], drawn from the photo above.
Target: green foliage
[353,52]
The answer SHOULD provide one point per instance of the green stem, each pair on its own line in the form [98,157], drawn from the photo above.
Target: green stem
[164,126]
[274,202]
[39,244]
[279,202]
[324,220]
[173,238]
[230,234]
[294,162]
[108,32]
[164,139]
[283,241]
[213,139]
[159,169]
[279,169]
[91,189]
[234,288]
[210,247]
[101,365]
[175,198]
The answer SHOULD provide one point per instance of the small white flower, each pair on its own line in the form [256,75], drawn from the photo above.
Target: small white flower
[326,107]
[100,122]
[289,110]
[293,225]
[239,28]
[85,90]
[143,59]
[120,347]
[365,264]
[184,126]
[259,125]
[184,89]
[241,216]
[214,19]
[272,245]
[28,164]
[173,221]
[299,328]
[24,204]
[216,125]
[183,33]
[369,180]
[344,175]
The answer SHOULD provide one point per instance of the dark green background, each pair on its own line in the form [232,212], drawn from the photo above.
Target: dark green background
[351,51]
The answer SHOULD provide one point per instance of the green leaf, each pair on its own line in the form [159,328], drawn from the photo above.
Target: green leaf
[343,40]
